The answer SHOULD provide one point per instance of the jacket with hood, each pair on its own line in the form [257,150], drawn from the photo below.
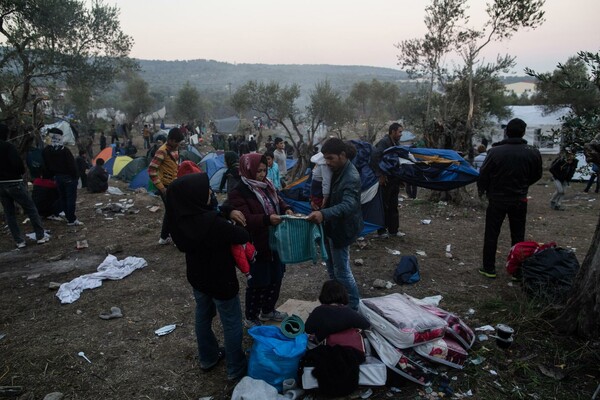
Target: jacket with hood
[511,166]
[205,237]
[563,170]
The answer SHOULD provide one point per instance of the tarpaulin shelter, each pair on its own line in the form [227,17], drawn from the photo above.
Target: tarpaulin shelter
[435,169]
[227,125]
[68,136]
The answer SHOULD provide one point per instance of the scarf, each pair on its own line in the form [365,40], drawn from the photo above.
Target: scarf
[263,190]
[56,141]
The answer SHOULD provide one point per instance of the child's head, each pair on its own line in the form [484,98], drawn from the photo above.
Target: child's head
[99,162]
[333,292]
[270,156]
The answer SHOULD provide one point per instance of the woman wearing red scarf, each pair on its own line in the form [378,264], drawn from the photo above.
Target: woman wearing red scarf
[256,197]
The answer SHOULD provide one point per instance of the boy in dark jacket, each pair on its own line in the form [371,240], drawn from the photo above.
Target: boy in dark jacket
[562,170]
[205,237]
[97,178]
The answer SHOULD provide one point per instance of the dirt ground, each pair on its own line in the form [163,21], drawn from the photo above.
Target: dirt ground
[39,351]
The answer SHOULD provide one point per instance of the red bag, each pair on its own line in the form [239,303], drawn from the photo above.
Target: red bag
[522,250]
[350,338]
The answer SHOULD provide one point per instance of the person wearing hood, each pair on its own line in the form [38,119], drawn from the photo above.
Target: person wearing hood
[256,197]
[59,164]
[510,167]
[231,177]
[206,236]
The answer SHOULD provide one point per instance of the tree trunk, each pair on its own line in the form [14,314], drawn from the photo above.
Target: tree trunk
[581,315]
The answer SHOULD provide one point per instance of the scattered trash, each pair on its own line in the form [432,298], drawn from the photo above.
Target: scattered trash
[115,191]
[395,389]
[82,354]
[425,221]
[98,204]
[470,311]
[33,276]
[165,330]
[82,244]
[381,284]
[421,253]
[359,262]
[53,285]
[362,244]
[477,360]
[2,336]
[113,249]
[393,252]
[485,328]
[482,337]
[54,396]
[400,234]
[493,372]
[26,220]
[115,312]
[154,209]
[431,300]
[448,248]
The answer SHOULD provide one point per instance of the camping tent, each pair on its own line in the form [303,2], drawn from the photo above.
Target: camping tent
[130,170]
[227,125]
[140,180]
[106,154]
[211,163]
[65,127]
[115,164]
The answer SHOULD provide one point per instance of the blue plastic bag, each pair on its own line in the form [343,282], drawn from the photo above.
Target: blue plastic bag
[407,270]
[274,357]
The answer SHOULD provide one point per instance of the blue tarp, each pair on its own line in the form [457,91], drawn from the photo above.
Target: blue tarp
[429,168]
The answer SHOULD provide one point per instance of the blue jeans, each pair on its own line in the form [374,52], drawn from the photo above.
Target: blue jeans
[17,192]
[338,267]
[67,191]
[230,313]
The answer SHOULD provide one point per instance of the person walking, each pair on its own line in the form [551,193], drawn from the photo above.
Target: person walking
[163,171]
[390,185]
[342,215]
[511,166]
[60,164]
[206,237]
[593,177]
[280,158]
[256,197]
[14,190]
[562,170]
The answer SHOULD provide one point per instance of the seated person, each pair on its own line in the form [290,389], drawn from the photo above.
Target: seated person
[130,149]
[97,178]
[333,315]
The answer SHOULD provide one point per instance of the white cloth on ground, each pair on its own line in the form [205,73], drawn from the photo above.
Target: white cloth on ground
[110,268]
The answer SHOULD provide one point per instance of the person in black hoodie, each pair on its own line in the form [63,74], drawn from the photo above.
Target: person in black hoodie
[511,166]
[60,164]
[562,170]
[205,236]
[97,178]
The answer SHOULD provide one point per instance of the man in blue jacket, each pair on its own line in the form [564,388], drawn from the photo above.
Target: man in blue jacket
[511,166]
[342,216]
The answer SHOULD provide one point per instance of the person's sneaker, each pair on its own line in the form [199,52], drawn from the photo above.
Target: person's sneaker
[75,223]
[400,234]
[487,274]
[54,218]
[43,240]
[220,357]
[273,316]
[162,241]
[251,323]
[20,245]
[384,235]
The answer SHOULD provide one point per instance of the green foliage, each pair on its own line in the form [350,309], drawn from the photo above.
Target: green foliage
[188,104]
[374,103]
[56,42]
[575,84]
[327,107]
[136,101]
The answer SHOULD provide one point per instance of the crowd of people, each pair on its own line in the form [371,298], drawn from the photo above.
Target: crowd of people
[207,232]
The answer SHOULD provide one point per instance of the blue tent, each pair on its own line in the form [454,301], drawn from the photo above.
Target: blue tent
[211,163]
[429,168]
[140,180]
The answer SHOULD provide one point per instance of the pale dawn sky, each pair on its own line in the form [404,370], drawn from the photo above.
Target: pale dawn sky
[339,32]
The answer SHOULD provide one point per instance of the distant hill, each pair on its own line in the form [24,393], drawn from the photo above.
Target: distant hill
[209,75]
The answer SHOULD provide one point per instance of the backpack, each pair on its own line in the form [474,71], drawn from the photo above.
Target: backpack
[407,270]
[521,251]
[549,274]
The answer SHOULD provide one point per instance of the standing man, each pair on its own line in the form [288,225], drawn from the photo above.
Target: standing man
[60,164]
[14,190]
[146,134]
[83,165]
[102,141]
[280,158]
[562,170]
[511,166]
[342,216]
[390,185]
[163,170]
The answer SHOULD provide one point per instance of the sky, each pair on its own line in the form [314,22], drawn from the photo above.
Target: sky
[338,32]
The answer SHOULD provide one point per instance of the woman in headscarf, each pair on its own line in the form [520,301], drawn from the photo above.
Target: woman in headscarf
[205,236]
[231,177]
[256,197]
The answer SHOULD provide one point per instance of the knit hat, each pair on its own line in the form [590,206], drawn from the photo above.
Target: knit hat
[55,131]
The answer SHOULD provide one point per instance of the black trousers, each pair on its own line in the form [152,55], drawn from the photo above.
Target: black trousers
[164,230]
[494,217]
[390,205]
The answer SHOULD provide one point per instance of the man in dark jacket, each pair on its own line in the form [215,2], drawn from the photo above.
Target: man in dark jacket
[390,185]
[562,170]
[60,164]
[511,166]
[342,216]
[14,190]
[97,178]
